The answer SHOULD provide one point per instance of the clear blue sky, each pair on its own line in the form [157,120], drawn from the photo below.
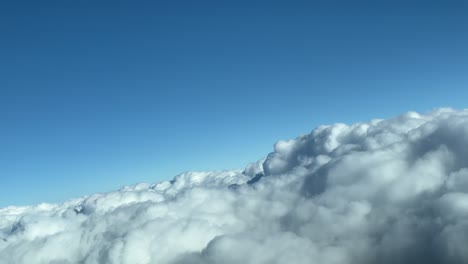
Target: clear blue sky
[98,94]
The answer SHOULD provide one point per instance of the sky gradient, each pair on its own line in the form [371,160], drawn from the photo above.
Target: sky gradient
[98,94]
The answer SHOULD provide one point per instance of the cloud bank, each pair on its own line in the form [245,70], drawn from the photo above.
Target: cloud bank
[386,191]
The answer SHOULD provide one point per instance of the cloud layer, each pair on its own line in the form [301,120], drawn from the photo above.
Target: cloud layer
[386,191]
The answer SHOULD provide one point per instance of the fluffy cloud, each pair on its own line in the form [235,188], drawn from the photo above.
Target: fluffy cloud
[385,191]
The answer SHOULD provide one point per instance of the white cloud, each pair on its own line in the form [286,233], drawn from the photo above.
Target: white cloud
[385,191]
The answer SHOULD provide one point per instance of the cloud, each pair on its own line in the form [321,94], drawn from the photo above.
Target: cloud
[385,191]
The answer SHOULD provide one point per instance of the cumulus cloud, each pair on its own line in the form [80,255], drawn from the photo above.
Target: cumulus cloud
[385,191]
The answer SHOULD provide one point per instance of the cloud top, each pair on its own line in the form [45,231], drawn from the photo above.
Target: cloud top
[386,191]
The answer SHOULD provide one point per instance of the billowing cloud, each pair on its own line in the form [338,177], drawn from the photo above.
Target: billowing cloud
[386,191]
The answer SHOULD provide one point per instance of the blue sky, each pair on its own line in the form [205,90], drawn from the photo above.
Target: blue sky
[98,94]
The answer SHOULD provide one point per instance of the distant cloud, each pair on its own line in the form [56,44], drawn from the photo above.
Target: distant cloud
[386,191]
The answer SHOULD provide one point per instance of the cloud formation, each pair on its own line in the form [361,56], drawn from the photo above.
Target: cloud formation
[386,191]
